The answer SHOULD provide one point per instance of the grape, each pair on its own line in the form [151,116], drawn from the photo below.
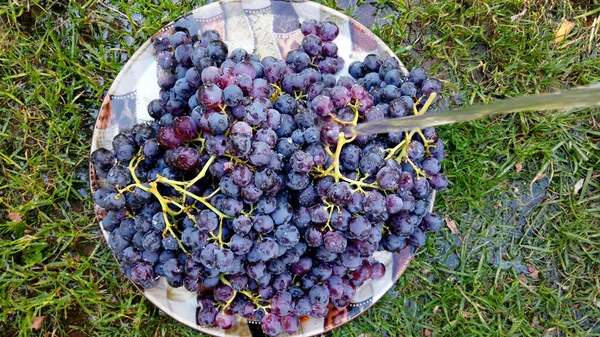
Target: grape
[388,178]
[431,222]
[172,267]
[267,136]
[286,104]
[260,154]
[273,119]
[393,203]
[271,325]
[309,27]
[335,242]
[301,162]
[183,54]
[330,49]
[232,95]
[216,50]
[282,282]
[282,213]
[372,63]
[403,224]
[210,75]
[421,188]
[417,239]
[297,180]
[210,95]
[330,133]
[239,145]
[328,31]
[225,319]
[143,274]
[161,43]
[276,195]
[260,88]
[359,228]
[263,224]
[340,97]
[438,182]
[287,235]
[207,221]
[312,45]
[431,85]
[286,126]
[322,105]
[340,193]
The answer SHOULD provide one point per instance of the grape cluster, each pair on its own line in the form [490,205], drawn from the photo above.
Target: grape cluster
[248,188]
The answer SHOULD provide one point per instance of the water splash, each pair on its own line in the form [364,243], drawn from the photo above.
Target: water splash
[573,98]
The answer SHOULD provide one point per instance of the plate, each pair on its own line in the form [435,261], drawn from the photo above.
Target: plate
[266,28]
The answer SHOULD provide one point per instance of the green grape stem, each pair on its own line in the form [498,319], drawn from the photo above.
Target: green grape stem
[166,202]
[255,299]
[335,167]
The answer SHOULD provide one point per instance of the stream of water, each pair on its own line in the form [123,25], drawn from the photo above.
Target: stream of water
[574,98]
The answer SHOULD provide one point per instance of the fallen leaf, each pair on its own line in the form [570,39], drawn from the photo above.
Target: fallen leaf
[563,30]
[534,322]
[519,166]
[538,177]
[14,216]
[552,332]
[521,14]
[533,271]
[426,332]
[452,225]
[522,278]
[36,324]
[597,303]
[578,186]
[436,309]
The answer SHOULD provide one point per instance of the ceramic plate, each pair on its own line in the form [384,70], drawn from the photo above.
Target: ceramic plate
[265,28]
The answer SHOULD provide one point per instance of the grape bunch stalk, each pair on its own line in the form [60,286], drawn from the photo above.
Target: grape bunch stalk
[246,188]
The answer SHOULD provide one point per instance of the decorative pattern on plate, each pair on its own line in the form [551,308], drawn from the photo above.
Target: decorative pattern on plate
[266,28]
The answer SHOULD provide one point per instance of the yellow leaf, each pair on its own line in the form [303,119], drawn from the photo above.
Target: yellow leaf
[563,30]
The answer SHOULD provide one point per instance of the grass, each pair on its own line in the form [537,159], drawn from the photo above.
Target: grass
[524,188]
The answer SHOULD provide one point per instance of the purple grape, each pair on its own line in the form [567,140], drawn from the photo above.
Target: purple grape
[388,178]
[335,242]
[271,325]
[328,31]
[438,182]
[309,26]
[312,45]
[210,96]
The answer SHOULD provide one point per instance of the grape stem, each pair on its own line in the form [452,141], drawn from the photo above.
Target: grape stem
[255,299]
[335,166]
[276,94]
[219,237]
[202,172]
[405,143]
[329,207]
[354,107]
[165,202]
